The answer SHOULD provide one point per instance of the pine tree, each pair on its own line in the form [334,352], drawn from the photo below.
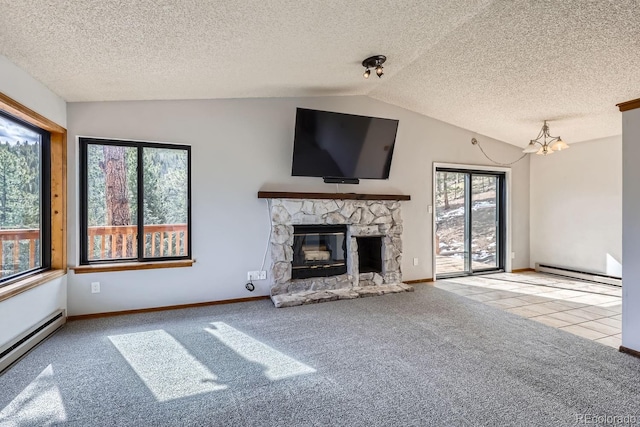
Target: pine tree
[116,195]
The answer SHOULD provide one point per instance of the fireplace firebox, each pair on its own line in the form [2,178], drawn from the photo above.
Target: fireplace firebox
[318,251]
[369,254]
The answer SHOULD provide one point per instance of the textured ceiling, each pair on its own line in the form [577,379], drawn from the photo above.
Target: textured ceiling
[498,68]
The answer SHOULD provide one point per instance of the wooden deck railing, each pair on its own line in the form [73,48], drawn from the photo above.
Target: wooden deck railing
[161,240]
[32,236]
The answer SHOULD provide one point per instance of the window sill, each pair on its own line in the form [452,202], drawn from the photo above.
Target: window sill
[24,284]
[125,266]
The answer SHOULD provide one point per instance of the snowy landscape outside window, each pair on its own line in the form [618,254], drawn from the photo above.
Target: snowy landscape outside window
[469,222]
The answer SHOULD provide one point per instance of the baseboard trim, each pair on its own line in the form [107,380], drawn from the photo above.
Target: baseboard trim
[522,270]
[634,353]
[415,282]
[165,308]
[591,276]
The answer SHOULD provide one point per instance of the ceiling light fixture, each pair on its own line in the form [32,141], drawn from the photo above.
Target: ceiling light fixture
[376,62]
[545,144]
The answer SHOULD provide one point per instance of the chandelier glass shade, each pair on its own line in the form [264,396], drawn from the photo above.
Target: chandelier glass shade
[545,144]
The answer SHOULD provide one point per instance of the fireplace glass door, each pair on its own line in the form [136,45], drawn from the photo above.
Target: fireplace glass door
[318,251]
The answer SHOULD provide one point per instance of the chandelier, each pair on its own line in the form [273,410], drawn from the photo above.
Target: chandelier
[545,144]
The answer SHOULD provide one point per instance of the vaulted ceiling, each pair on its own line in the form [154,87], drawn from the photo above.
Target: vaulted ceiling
[498,68]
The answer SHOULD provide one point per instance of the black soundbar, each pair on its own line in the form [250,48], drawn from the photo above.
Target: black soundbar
[338,180]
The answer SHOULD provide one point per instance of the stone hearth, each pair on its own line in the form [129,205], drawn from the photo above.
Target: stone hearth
[363,218]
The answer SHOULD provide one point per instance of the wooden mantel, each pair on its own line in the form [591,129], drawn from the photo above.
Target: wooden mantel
[330,196]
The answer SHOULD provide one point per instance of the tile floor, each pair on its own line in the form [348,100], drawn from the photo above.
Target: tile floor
[587,309]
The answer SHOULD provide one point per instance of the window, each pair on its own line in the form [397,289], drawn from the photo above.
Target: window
[135,201]
[470,221]
[25,205]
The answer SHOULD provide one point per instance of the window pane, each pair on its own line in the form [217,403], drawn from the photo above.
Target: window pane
[20,199]
[111,202]
[165,202]
[452,252]
[484,230]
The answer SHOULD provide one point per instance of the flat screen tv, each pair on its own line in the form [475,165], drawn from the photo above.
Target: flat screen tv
[342,147]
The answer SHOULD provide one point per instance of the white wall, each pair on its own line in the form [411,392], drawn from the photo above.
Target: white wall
[20,86]
[631,229]
[242,146]
[576,206]
[21,312]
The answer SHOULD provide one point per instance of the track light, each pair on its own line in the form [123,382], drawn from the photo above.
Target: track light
[374,62]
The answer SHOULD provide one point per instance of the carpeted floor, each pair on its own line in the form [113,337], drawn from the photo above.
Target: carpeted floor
[424,358]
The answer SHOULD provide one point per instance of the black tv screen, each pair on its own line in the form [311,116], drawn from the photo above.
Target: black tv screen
[340,145]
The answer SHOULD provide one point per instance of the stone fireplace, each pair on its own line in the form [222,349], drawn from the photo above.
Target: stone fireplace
[325,249]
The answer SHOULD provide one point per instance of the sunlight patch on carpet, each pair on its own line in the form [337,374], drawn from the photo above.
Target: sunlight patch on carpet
[167,369]
[40,403]
[277,365]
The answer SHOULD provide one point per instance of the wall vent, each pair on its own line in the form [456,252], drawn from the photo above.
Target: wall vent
[20,345]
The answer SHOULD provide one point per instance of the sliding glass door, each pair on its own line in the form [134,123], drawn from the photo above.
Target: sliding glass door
[470,229]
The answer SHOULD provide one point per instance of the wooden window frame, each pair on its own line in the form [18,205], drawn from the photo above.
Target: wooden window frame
[58,188]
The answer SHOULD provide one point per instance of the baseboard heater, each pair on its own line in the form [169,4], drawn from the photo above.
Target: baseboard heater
[577,274]
[19,346]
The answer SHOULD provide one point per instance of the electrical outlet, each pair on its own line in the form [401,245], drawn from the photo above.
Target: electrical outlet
[430,209]
[257,275]
[95,287]
[513,255]
[415,261]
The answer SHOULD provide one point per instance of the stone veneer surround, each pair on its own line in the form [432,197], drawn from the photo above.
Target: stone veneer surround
[362,217]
